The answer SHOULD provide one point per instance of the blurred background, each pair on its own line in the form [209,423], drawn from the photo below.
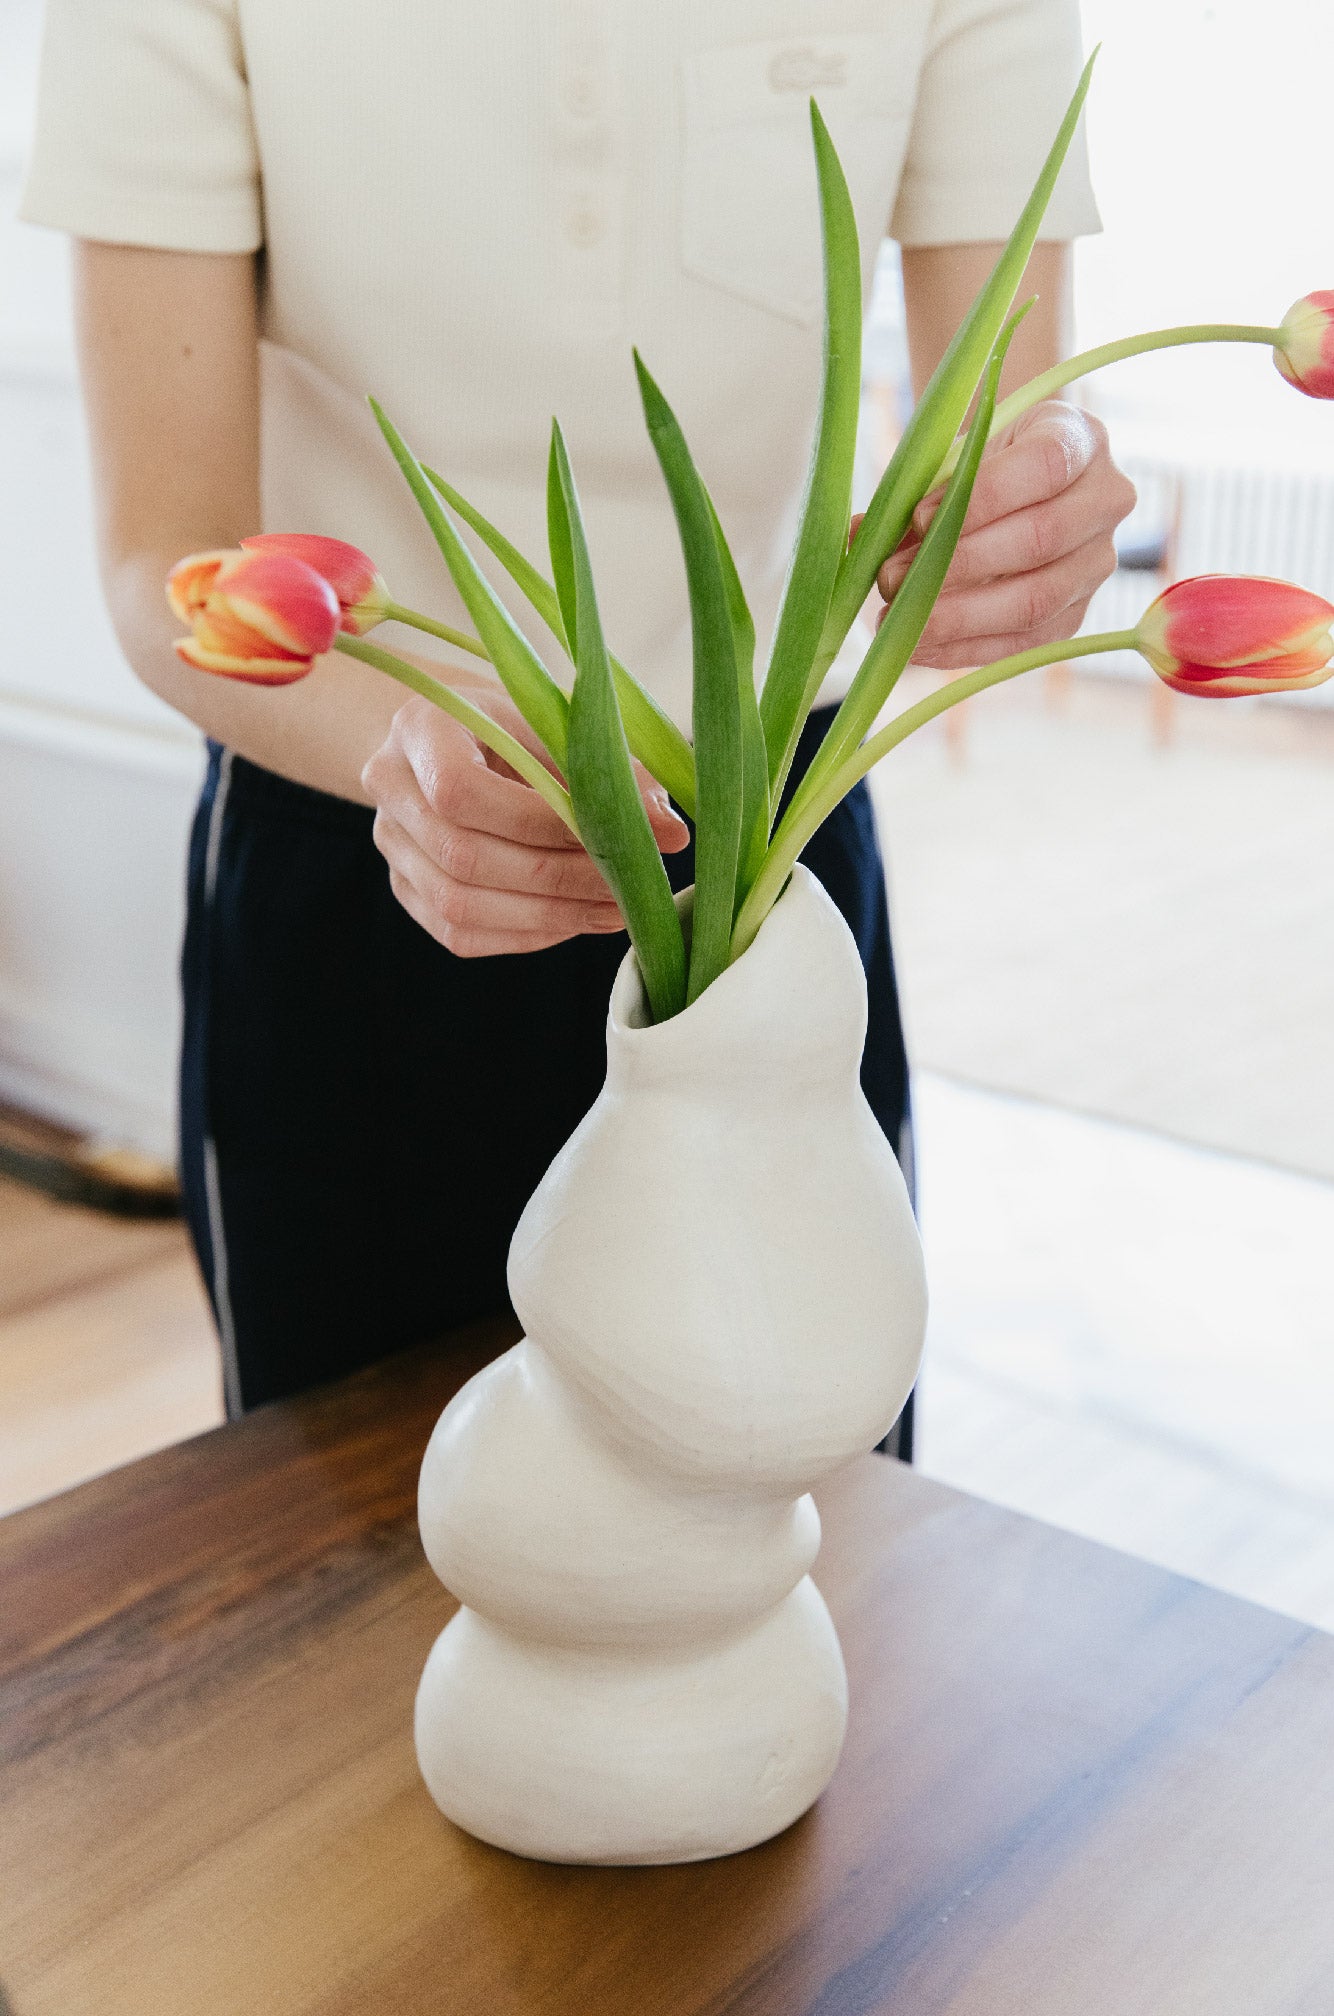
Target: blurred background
[1114,909]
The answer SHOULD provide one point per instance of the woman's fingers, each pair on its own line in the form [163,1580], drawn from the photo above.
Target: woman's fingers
[490,858]
[1032,538]
[491,861]
[974,651]
[1037,541]
[458,784]
[1019,605]
[668,827]
[475,855]
[465,944]
[475,921]
[1045,451]
[1040,488]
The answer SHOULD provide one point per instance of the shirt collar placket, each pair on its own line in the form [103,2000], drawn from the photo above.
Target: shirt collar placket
[587,116]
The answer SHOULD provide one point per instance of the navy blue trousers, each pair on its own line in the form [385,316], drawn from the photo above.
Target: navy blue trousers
[363,1113]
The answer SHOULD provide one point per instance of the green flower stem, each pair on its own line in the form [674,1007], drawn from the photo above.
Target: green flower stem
[1088,361]
[809,810]
[472,718]
[396,613]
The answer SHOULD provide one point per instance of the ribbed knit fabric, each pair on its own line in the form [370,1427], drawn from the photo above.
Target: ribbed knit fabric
[474,210]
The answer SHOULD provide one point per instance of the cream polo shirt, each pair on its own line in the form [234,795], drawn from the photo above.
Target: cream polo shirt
[473,210]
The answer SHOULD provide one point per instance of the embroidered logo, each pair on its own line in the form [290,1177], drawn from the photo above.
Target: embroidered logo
[808,69]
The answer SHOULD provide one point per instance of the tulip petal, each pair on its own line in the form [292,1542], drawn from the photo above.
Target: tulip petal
[223,634]
[1220,636]
[1239,619]
[1206,684]
[1221,620]
[280,598]
[1305,353]
[284,671]
[190,580]
[362,594]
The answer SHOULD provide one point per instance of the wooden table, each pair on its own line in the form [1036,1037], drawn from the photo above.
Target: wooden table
[1074,1785]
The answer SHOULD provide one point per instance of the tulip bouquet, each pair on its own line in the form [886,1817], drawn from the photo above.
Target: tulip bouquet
[266,611]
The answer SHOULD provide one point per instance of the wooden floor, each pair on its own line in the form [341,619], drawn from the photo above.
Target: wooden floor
[1089,917]
[107,1347]
[1131,1339]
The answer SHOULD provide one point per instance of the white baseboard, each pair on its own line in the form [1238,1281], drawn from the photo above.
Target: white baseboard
[66,1071]
[139,747]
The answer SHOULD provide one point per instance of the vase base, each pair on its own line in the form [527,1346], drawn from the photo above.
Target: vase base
[626,1758]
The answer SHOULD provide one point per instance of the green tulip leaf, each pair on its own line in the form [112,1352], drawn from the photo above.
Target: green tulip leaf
[558,545]
[941,408]
[603,787]
[525,678]
[905,620]
[755,810]
[719,779]
[536,589]
[653,736]
[522,761]
[826,507]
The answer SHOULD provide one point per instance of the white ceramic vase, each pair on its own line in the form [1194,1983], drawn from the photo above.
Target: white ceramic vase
[722,1287]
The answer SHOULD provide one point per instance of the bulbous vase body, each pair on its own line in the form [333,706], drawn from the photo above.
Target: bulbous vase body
[722,1289]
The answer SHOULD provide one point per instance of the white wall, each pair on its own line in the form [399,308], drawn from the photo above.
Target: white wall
[92,833]
[97,778]
[1209,138]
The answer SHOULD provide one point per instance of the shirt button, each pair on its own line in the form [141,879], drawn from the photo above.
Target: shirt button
[581,97]
[584,228]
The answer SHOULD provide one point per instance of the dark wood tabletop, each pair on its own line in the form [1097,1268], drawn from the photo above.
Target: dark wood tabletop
[1074,1785]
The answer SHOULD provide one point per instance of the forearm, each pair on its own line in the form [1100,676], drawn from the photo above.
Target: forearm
[939,285]
[319,731]
[169,353]
[1038,538]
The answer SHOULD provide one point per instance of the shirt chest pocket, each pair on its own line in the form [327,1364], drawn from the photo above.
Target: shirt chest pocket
[749,207]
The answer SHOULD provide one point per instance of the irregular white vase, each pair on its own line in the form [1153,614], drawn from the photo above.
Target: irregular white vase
[723,1292]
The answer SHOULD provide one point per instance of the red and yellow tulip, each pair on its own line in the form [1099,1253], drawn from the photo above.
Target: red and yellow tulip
[363,597]
[260,617]
[1219,635]
[1305,349]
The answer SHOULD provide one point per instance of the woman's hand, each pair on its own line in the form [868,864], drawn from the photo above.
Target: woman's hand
[1036,543]
[475,856]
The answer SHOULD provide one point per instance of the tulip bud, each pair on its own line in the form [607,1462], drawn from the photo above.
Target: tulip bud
[1221,635]
[363,597]
[260,617]
[1305,351]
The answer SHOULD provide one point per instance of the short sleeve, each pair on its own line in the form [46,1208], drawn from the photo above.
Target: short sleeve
[144,134]
[994,86]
